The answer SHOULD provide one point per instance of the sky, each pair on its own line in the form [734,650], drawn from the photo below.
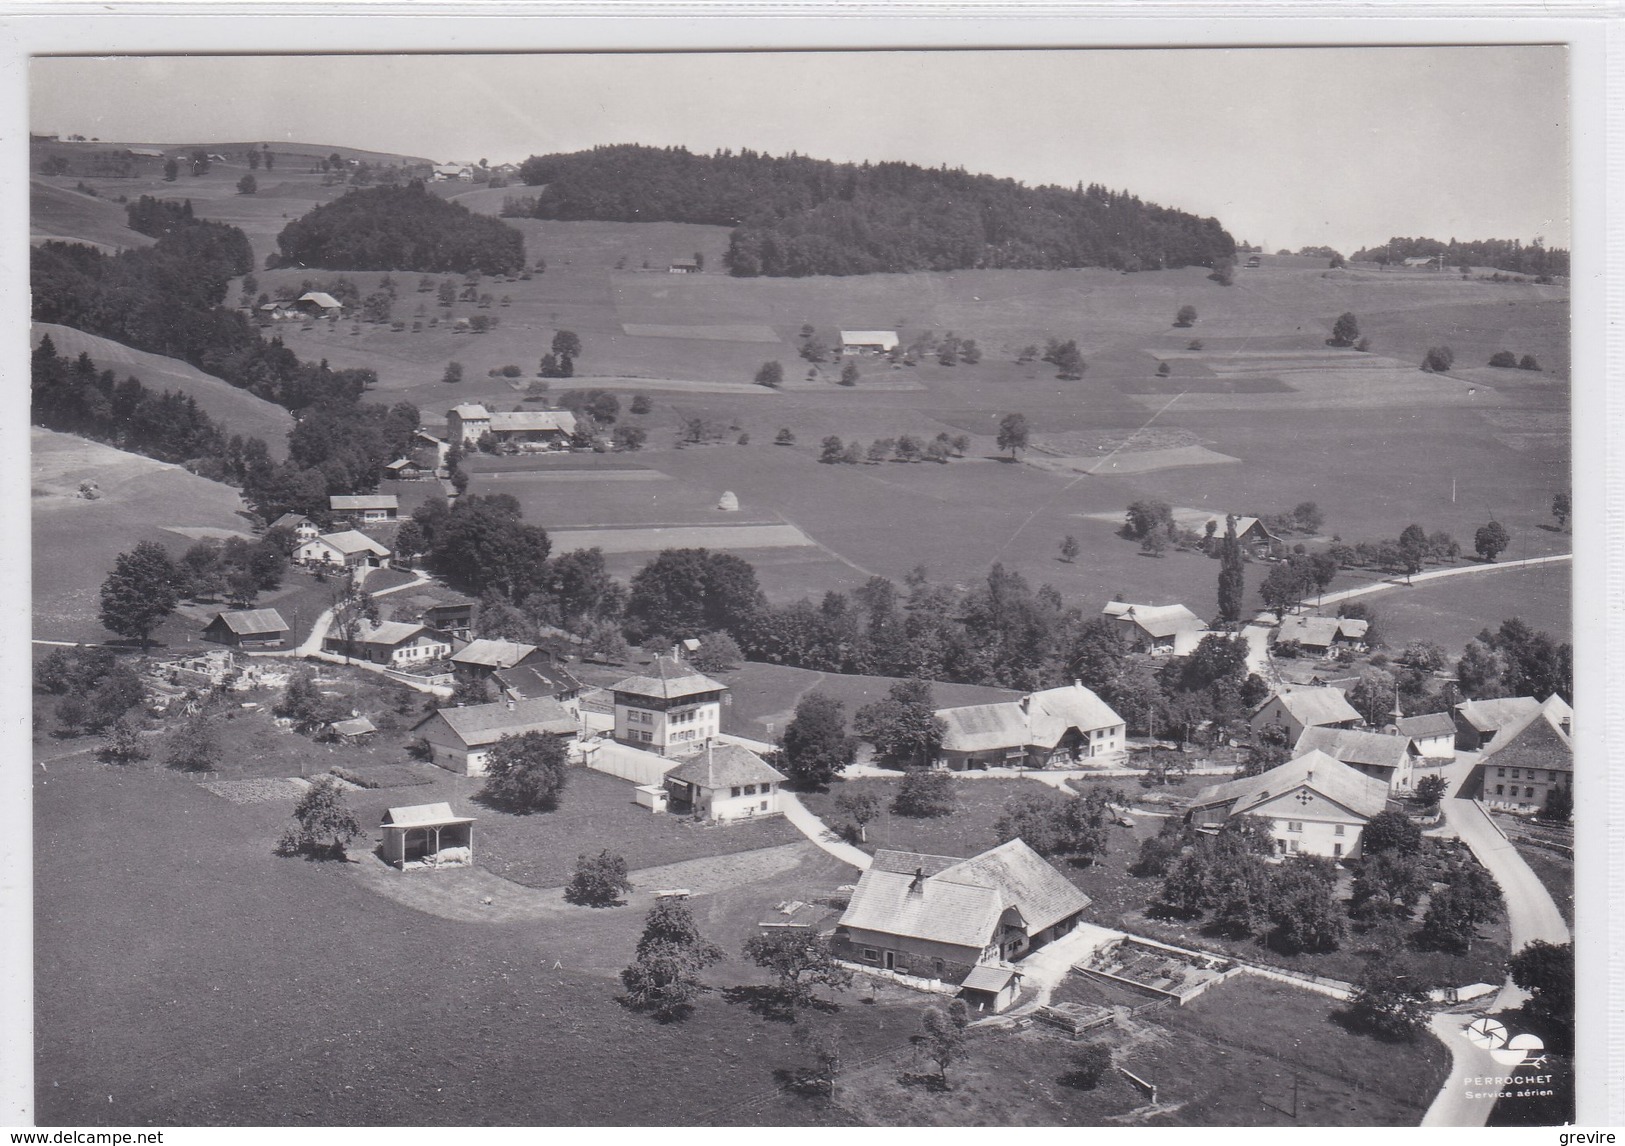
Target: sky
[1287,147]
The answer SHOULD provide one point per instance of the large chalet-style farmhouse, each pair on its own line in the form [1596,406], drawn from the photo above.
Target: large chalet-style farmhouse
[672,710]
[1527,759]
[349,549]
[1382,756]
[396,644]
[1315,805]
[1481,723]
[365,508]
[467,423]
[1322,635]
[1048,729]
[1156,628]
[938,917]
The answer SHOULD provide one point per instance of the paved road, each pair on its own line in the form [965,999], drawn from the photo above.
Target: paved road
[1460,1102]
[818,832]
[1457,571]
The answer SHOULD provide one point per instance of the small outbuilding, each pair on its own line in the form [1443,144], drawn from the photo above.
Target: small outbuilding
[248,629]
[868,341]
[427,836]
[991,987]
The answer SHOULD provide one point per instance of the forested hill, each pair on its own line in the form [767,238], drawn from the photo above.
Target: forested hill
[798,216]
[400,229]
[1502,254]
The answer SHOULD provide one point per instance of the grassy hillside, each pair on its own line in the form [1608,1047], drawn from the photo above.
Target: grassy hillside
[240,411]
[75,540]
[59,212]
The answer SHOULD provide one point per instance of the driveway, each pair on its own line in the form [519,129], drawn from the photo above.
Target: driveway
[819,833]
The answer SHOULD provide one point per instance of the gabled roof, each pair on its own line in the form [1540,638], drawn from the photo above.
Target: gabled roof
[469,411]
[289,521]
[1027,881]
[1423,727]
[886,339]
[423,816]
[351,541]
[1040,719]
[489,653]
[480,724]
[961,904]
[321,299]
[725,766]
[358,726]
[1498,712]
[403,463]
[1364,795]
[910,862]
[340,501]
[392,633]
[537,680]
[1196,521]
[668,679]
[1313,706]
[246,622]
[1321,632]
[1157,620]
[1533,742]
[519,421]
[1352,747]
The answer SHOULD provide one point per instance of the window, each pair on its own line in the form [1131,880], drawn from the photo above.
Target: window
[1552,776]
[750,789]
[1529,793]
[1295,845]
[871,954]
[734,791]
[1337,851]
[1500,789]
[1500,771]
[1337,831]
[764,805]
[1294,826]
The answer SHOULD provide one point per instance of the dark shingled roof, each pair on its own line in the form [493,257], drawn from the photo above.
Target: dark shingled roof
[726,766]
[1422,727]
[669,680]
[480,724]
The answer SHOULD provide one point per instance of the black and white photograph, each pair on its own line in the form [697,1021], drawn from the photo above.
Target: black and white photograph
[1021,587]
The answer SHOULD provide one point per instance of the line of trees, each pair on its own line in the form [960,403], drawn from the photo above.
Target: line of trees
[1502,254]
[793,215]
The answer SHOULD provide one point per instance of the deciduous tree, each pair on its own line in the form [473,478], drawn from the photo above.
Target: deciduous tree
[802,963]
[1491,540]
[816,744]
[140,592]
[663,978]
[526,773]
[598,881]
[326,824]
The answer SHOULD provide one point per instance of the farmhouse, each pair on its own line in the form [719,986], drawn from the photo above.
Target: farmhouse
[941,918]
[468,422]
[393,643]
[684,267]
[542,676]
[1048,729]
[479,659]
[462,737]
[1480,723]
[461,172]
[724,782]
[1156,628]
[1526,762]
[868,341]
[1253,534]
[302,528]
[248,629]
[1315,805]
[1323,634]
[318,304]
[1382,756]
[350,548]
[1433,261]
[671,710]
[368,508]
[1300,708]
[1432,737]
[427,836]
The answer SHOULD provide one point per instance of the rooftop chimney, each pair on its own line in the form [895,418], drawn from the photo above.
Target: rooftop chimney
[919,879]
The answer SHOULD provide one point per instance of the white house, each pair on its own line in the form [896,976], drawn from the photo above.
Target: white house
[1382,756]
[1299,708]
[462,738]
[1156,628]
[1322,634]
[1432,737]
[1480,724]
[672,710]
[724,782]
[350,548]
[1052,728]
[1315,805]
[302,527]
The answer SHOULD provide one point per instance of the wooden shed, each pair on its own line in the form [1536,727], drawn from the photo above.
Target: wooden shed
[427,836]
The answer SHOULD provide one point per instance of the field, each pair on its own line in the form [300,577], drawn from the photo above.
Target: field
[1452,611]
[75,540]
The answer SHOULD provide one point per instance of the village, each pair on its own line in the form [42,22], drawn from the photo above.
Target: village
[788,666]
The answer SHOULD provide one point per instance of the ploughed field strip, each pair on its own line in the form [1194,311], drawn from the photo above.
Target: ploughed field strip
[716,332]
